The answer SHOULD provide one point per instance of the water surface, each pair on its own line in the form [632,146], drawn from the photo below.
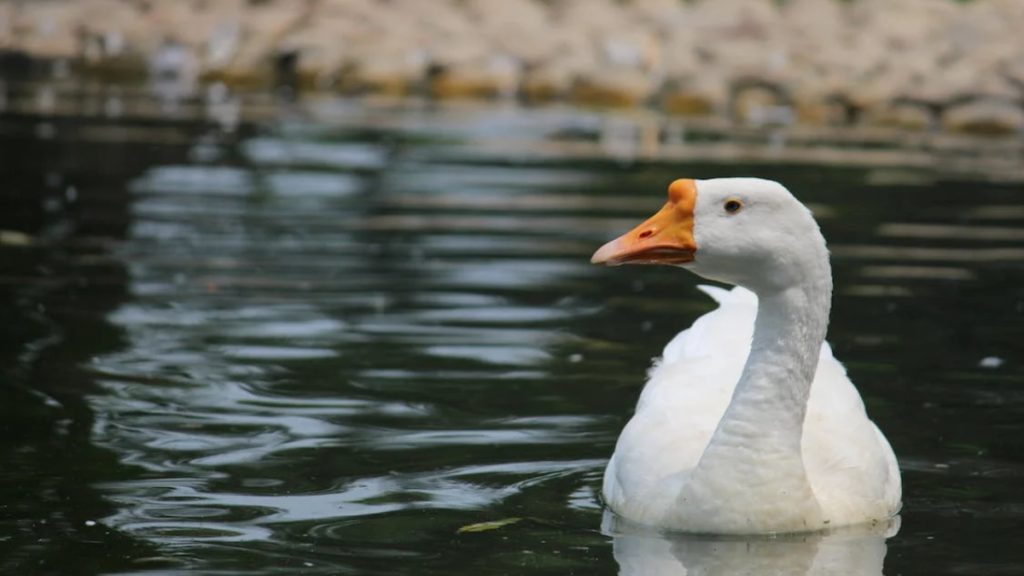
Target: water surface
[322,337]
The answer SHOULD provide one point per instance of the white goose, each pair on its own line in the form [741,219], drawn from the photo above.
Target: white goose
[748,424]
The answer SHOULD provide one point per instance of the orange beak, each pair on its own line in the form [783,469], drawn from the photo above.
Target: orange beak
[665,238]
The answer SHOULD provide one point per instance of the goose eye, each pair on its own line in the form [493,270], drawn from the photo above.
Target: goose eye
[733,206]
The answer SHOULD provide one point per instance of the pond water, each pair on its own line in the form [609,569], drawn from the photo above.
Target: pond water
[322,338]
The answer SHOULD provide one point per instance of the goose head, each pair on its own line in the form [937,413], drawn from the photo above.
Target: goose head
[744,231]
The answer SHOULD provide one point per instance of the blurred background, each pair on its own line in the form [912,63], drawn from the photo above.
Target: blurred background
[914,64]
[303,286]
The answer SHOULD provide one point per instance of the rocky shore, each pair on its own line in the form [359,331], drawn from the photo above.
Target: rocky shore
[912,64]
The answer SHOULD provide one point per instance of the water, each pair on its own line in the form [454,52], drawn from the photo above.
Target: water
[322,338]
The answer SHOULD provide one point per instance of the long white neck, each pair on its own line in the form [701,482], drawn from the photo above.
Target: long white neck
[770,400]
[754,459]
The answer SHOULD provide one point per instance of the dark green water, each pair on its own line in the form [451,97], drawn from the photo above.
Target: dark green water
[325,338]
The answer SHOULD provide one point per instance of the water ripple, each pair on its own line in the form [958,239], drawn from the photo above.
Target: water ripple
[332,353]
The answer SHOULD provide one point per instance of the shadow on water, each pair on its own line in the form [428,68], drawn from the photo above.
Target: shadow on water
[322,337]
[64,206]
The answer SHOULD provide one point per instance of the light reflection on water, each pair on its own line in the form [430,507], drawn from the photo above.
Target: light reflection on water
[342,338]
[268,334]
[857,551]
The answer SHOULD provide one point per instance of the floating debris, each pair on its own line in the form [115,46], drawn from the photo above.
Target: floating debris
[488,526]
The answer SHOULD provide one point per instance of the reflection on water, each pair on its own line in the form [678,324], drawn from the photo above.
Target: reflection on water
[856,551]
[325,338]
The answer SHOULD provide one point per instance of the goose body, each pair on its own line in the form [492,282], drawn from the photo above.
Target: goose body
[748,424]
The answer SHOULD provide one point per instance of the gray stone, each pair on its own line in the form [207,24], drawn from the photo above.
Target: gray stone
[985,117]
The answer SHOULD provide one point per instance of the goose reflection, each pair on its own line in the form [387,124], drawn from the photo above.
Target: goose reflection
[857,551]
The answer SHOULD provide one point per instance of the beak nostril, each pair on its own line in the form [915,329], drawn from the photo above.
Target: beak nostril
[646,234]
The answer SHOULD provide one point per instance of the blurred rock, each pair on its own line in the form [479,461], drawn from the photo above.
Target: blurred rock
[393,73]
[759,103]
[264,26]
[691,93]
[685,102]
[902,115]
[913,64]
[824,112]
[985,117]
[493,77]
[546,83]
[617,87]
[43,29]
[520,29]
